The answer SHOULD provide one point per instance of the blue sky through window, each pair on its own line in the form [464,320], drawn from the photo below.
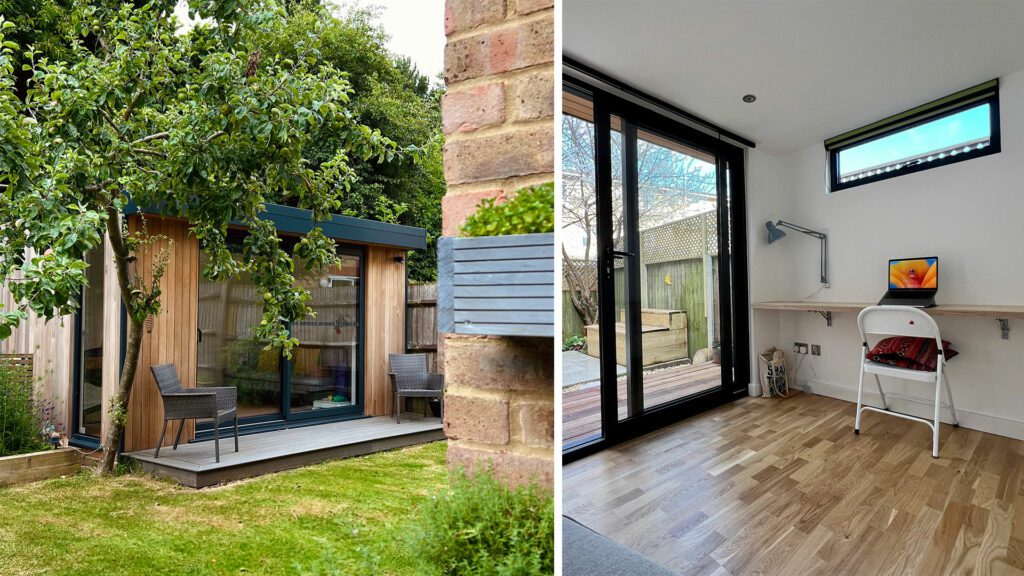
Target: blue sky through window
[965,126]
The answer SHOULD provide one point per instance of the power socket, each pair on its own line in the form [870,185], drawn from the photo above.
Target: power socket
[799,348]
[815,350]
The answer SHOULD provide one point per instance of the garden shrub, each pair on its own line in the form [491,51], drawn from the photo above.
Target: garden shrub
[530,211]
[20,422]
[480,527]
[574,342]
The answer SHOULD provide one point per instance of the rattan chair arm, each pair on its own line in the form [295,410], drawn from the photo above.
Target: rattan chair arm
[181,405]
[227,396]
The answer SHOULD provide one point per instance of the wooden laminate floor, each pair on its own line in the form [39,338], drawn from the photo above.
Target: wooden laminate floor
[784,487]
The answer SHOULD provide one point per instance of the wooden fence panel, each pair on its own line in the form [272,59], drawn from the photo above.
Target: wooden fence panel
[679,285]
[422,322]
[18,363]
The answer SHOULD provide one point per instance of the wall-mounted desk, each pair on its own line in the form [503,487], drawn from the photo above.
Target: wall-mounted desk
[1000,312]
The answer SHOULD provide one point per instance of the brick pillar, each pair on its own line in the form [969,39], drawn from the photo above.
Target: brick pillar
[498,119]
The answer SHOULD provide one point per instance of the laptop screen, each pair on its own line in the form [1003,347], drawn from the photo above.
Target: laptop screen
[914,273]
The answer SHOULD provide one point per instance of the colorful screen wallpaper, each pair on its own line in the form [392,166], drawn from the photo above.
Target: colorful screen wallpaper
[917,273]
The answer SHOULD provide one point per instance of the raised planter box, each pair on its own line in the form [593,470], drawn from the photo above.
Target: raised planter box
[662,333]
[497,285]
[35,466]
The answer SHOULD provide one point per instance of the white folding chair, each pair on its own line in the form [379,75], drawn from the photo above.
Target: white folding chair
[901,321]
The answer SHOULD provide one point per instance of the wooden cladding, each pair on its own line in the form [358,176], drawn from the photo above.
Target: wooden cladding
[385,324]
[497,285]
[174,335]
[174,338]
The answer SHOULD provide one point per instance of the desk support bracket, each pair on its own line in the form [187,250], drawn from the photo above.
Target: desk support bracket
[826,315]
[1004,325]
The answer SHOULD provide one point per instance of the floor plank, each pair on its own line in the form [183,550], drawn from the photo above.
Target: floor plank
[783,486]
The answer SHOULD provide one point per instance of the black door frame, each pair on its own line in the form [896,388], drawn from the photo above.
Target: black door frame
[733,292]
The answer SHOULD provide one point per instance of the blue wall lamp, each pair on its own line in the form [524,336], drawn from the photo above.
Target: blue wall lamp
[775,232]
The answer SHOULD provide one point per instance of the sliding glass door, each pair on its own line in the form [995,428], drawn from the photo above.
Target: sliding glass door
[322,378]
[652,243]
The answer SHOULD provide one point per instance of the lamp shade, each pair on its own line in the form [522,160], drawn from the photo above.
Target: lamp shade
[774,232]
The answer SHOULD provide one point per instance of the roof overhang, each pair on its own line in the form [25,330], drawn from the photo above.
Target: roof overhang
[291,220]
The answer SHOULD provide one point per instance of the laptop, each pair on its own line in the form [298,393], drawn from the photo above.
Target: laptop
[912,282]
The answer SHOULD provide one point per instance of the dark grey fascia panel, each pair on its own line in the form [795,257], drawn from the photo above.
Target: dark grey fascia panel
[291,220]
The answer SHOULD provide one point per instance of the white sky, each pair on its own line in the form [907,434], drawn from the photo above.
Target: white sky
[416,28]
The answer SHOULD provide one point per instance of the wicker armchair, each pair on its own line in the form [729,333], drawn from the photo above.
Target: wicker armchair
[410,379]
[220,404]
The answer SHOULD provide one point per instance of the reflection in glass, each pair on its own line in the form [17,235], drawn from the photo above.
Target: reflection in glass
[90,386]
[324,369]
[228,355]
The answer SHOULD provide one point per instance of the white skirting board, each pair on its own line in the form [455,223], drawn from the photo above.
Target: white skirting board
[915,406]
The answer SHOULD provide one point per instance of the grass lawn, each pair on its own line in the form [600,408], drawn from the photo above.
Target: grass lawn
[343,517]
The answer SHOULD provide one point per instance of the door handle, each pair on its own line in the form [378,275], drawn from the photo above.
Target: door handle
[621,254]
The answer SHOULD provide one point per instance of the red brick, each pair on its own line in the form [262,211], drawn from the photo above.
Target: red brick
[460,15]
[478,419]
[531,6]
[499,363]
[519,152]
[455,208]
[534,97]
[535,422]
[513,468]
[508,48]
[473,108]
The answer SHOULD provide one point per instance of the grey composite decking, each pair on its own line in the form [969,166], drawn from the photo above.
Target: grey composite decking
[193,464]
[497,285]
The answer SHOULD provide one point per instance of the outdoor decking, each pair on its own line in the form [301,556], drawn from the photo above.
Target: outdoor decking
[581,408]
[193,464]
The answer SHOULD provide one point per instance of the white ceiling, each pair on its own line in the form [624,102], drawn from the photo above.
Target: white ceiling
[818,67]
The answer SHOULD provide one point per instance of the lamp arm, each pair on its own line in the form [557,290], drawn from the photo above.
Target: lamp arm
[798,228]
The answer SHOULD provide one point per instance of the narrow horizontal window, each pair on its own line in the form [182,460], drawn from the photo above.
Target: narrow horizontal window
[959,127]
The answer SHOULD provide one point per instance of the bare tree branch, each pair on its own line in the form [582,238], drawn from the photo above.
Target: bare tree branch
[150,152]
[131,105]
[215,136]
[151,137]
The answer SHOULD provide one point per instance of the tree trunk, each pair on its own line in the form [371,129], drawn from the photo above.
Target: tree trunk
[118,409]
[580,289]
[119,402]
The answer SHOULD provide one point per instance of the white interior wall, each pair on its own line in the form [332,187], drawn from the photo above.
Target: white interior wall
[762,179]
[968,214]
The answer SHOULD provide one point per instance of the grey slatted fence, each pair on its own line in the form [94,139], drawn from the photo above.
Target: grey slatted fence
[497,285]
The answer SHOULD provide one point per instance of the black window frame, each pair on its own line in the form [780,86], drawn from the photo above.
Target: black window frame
[986,93]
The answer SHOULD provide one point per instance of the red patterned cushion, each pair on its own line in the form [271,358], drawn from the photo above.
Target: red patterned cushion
[909,352]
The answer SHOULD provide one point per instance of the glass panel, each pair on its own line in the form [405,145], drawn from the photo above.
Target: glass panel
[228,355]
[951,135]
[678,221]
[581,391]
[90,391]
[622,268]
[324,370]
